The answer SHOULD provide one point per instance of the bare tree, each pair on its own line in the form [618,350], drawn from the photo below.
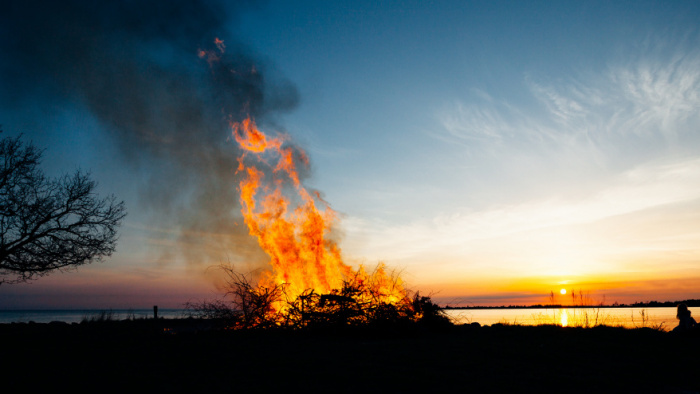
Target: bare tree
[49,224]
[246,306]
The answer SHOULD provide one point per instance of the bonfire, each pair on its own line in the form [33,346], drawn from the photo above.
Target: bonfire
[307,280]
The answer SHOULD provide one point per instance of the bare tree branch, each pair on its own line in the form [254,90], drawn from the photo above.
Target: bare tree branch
[50,224]
[360,301]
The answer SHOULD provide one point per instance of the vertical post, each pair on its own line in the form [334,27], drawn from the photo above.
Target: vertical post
[155,312]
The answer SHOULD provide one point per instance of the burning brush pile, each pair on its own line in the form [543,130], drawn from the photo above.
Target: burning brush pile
[308,283]
[357,302]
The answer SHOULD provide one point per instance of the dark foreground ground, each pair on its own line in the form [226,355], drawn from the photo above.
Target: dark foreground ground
[178,356]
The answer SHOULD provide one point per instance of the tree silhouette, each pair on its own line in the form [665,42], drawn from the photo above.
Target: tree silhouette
[49,224]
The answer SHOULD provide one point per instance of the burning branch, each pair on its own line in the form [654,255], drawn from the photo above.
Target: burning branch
[358,302]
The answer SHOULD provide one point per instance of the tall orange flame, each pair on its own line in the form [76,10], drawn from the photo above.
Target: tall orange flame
[291,229]
[296,238]
[302,256]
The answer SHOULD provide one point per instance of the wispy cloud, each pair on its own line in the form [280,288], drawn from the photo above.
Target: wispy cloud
[624,139]
[662,96]
[652,97]
[648,97]
[642,188]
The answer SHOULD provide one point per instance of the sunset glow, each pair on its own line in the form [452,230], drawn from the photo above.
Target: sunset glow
[491,153]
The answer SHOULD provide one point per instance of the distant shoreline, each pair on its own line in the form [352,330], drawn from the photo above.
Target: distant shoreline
[651,304]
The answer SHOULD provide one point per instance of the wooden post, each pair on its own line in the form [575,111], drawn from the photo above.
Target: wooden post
[155,312]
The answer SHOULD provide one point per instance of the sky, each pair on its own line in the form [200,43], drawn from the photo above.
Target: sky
[491,152]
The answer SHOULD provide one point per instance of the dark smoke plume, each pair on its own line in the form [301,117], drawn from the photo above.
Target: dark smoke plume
[135,66]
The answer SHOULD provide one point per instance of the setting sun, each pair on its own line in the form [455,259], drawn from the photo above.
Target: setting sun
[562,291]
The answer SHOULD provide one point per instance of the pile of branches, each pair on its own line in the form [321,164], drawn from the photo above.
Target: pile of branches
[356,303]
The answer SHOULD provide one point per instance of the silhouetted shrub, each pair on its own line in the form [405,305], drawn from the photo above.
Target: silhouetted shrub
[357,303]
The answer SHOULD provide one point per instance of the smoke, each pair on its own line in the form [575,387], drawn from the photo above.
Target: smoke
[135,66]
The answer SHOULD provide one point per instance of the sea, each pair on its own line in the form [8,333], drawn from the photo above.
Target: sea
[658,318]
[78,315]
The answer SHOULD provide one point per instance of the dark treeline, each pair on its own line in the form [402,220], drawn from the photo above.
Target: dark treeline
[647,304]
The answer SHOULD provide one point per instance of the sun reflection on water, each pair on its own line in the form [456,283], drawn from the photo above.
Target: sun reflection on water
[564,317]
[664,318]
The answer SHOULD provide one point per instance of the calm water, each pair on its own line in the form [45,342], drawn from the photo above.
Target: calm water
[77,315]
[573,317]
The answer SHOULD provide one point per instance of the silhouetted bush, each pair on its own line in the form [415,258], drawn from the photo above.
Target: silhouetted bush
[356,303]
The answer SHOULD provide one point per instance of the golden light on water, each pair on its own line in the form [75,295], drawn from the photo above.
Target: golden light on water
[564,315]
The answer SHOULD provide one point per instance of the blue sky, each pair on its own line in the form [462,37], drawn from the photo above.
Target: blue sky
[492,151]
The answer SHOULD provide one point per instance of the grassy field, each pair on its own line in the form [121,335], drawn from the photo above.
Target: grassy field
[186,356]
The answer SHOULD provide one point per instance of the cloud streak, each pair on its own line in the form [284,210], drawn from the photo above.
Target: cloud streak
[621,143]
[651,98]
[640,189]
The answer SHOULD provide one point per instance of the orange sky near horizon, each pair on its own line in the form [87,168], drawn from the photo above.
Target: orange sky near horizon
[490,152]
[106,288]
